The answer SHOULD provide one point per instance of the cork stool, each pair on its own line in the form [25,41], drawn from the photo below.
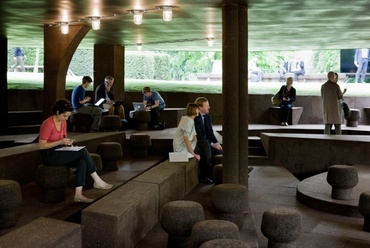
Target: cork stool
[217,174]
[110,153]
[230,201]
[141,119]
[352,120]
[206,230]
[52,180]
[342,178]
[11,199]
[224,243]
[81,122]
[111,123]
[178,218]
[364,208]
[217,159]
[139,144]
[281,226]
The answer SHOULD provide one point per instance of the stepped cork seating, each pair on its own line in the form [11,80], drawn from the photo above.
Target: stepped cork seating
[126,215]
[11,199]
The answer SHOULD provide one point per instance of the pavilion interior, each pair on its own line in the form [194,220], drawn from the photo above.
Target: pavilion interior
[269,25]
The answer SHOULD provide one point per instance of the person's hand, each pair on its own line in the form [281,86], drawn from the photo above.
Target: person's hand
[67,142]
[217,146]
[197,156]
[148,108]
[87,99]
[344,91]
[356,64]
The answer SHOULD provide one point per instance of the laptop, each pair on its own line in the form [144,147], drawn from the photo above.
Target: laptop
[138,106]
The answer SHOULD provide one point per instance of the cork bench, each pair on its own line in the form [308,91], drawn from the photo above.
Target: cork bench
[125,216]
[172,116]
[294,116]
[46,232]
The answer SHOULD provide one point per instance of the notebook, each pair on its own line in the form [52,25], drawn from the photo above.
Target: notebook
[138,106]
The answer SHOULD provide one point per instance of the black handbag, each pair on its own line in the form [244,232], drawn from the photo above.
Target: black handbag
[346,110]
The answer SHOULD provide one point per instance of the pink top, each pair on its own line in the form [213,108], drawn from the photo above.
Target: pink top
[49,132]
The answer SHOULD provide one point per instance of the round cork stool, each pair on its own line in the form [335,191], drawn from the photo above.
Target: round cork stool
[52,180]
[281,226]
[352,120]
[11,199]
[178,219]
[224,243]
[111,123]
[217,174]
[141,119]
[342,179]
[110,153]
[230,201]
[364,208]
[206,230]
[217,159]
[139,144]
[81,122]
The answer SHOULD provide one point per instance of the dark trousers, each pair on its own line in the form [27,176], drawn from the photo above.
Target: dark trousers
[205,164]
[285,110]
[81,160]
[154,115]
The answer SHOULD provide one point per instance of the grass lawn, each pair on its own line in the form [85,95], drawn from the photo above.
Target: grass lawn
[35,81]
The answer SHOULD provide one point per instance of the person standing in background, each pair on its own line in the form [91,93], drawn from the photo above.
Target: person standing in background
[332,111]
[19,58]
[361,62]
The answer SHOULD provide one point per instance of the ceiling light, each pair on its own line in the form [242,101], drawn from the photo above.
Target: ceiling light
[95,22]
[138,16]
[64,27]
[167,13]
[210,41]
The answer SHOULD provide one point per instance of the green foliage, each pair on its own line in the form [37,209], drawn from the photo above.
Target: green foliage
[82,62]
[30,56]
[162,66]
[326,60]
[139,65]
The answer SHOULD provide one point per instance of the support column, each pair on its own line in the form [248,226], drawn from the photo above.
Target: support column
[235,93]
[109,61]
[59,49]
[3,84]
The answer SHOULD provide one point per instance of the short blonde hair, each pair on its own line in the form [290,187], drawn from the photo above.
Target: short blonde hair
[200,101]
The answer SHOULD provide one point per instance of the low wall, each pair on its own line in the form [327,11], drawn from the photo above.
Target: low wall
[258,105]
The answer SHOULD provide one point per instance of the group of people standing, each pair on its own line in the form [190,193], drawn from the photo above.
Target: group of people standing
[332,97]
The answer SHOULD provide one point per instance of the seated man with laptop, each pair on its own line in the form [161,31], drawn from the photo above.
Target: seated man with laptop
[154,102]
[105,91]
[80,103]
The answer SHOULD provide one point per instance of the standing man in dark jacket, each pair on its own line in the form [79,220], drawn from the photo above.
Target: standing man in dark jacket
[203,126]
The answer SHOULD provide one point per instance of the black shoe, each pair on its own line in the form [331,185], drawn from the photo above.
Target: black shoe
[206,181]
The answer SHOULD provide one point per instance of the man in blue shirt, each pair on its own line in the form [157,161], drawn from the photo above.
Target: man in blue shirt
[19,59]
[155,103]
[79,101]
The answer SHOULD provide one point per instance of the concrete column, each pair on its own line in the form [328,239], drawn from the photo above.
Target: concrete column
[109,61]
[235,93]
[58,49]
[3,84]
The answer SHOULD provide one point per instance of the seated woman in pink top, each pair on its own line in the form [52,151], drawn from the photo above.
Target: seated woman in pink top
[53,135]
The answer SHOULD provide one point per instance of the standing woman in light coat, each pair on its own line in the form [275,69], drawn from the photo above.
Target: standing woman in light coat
[332,111]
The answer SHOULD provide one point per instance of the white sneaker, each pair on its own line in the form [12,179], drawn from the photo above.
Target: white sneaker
[286,123]
[283,123]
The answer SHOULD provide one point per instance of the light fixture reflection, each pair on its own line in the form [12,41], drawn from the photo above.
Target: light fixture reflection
[95,23]
[210,41]
[138,17]
[167,13]
[139,46]
[64,27]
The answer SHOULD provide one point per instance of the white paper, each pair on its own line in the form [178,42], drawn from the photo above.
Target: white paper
[70,148]
[180,156]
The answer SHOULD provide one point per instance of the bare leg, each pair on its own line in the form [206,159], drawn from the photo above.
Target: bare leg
[80,197]
[99,183]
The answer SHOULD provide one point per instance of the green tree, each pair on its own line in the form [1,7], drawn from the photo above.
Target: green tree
[326,60]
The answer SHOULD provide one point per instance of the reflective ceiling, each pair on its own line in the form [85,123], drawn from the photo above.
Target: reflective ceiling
[272,24]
